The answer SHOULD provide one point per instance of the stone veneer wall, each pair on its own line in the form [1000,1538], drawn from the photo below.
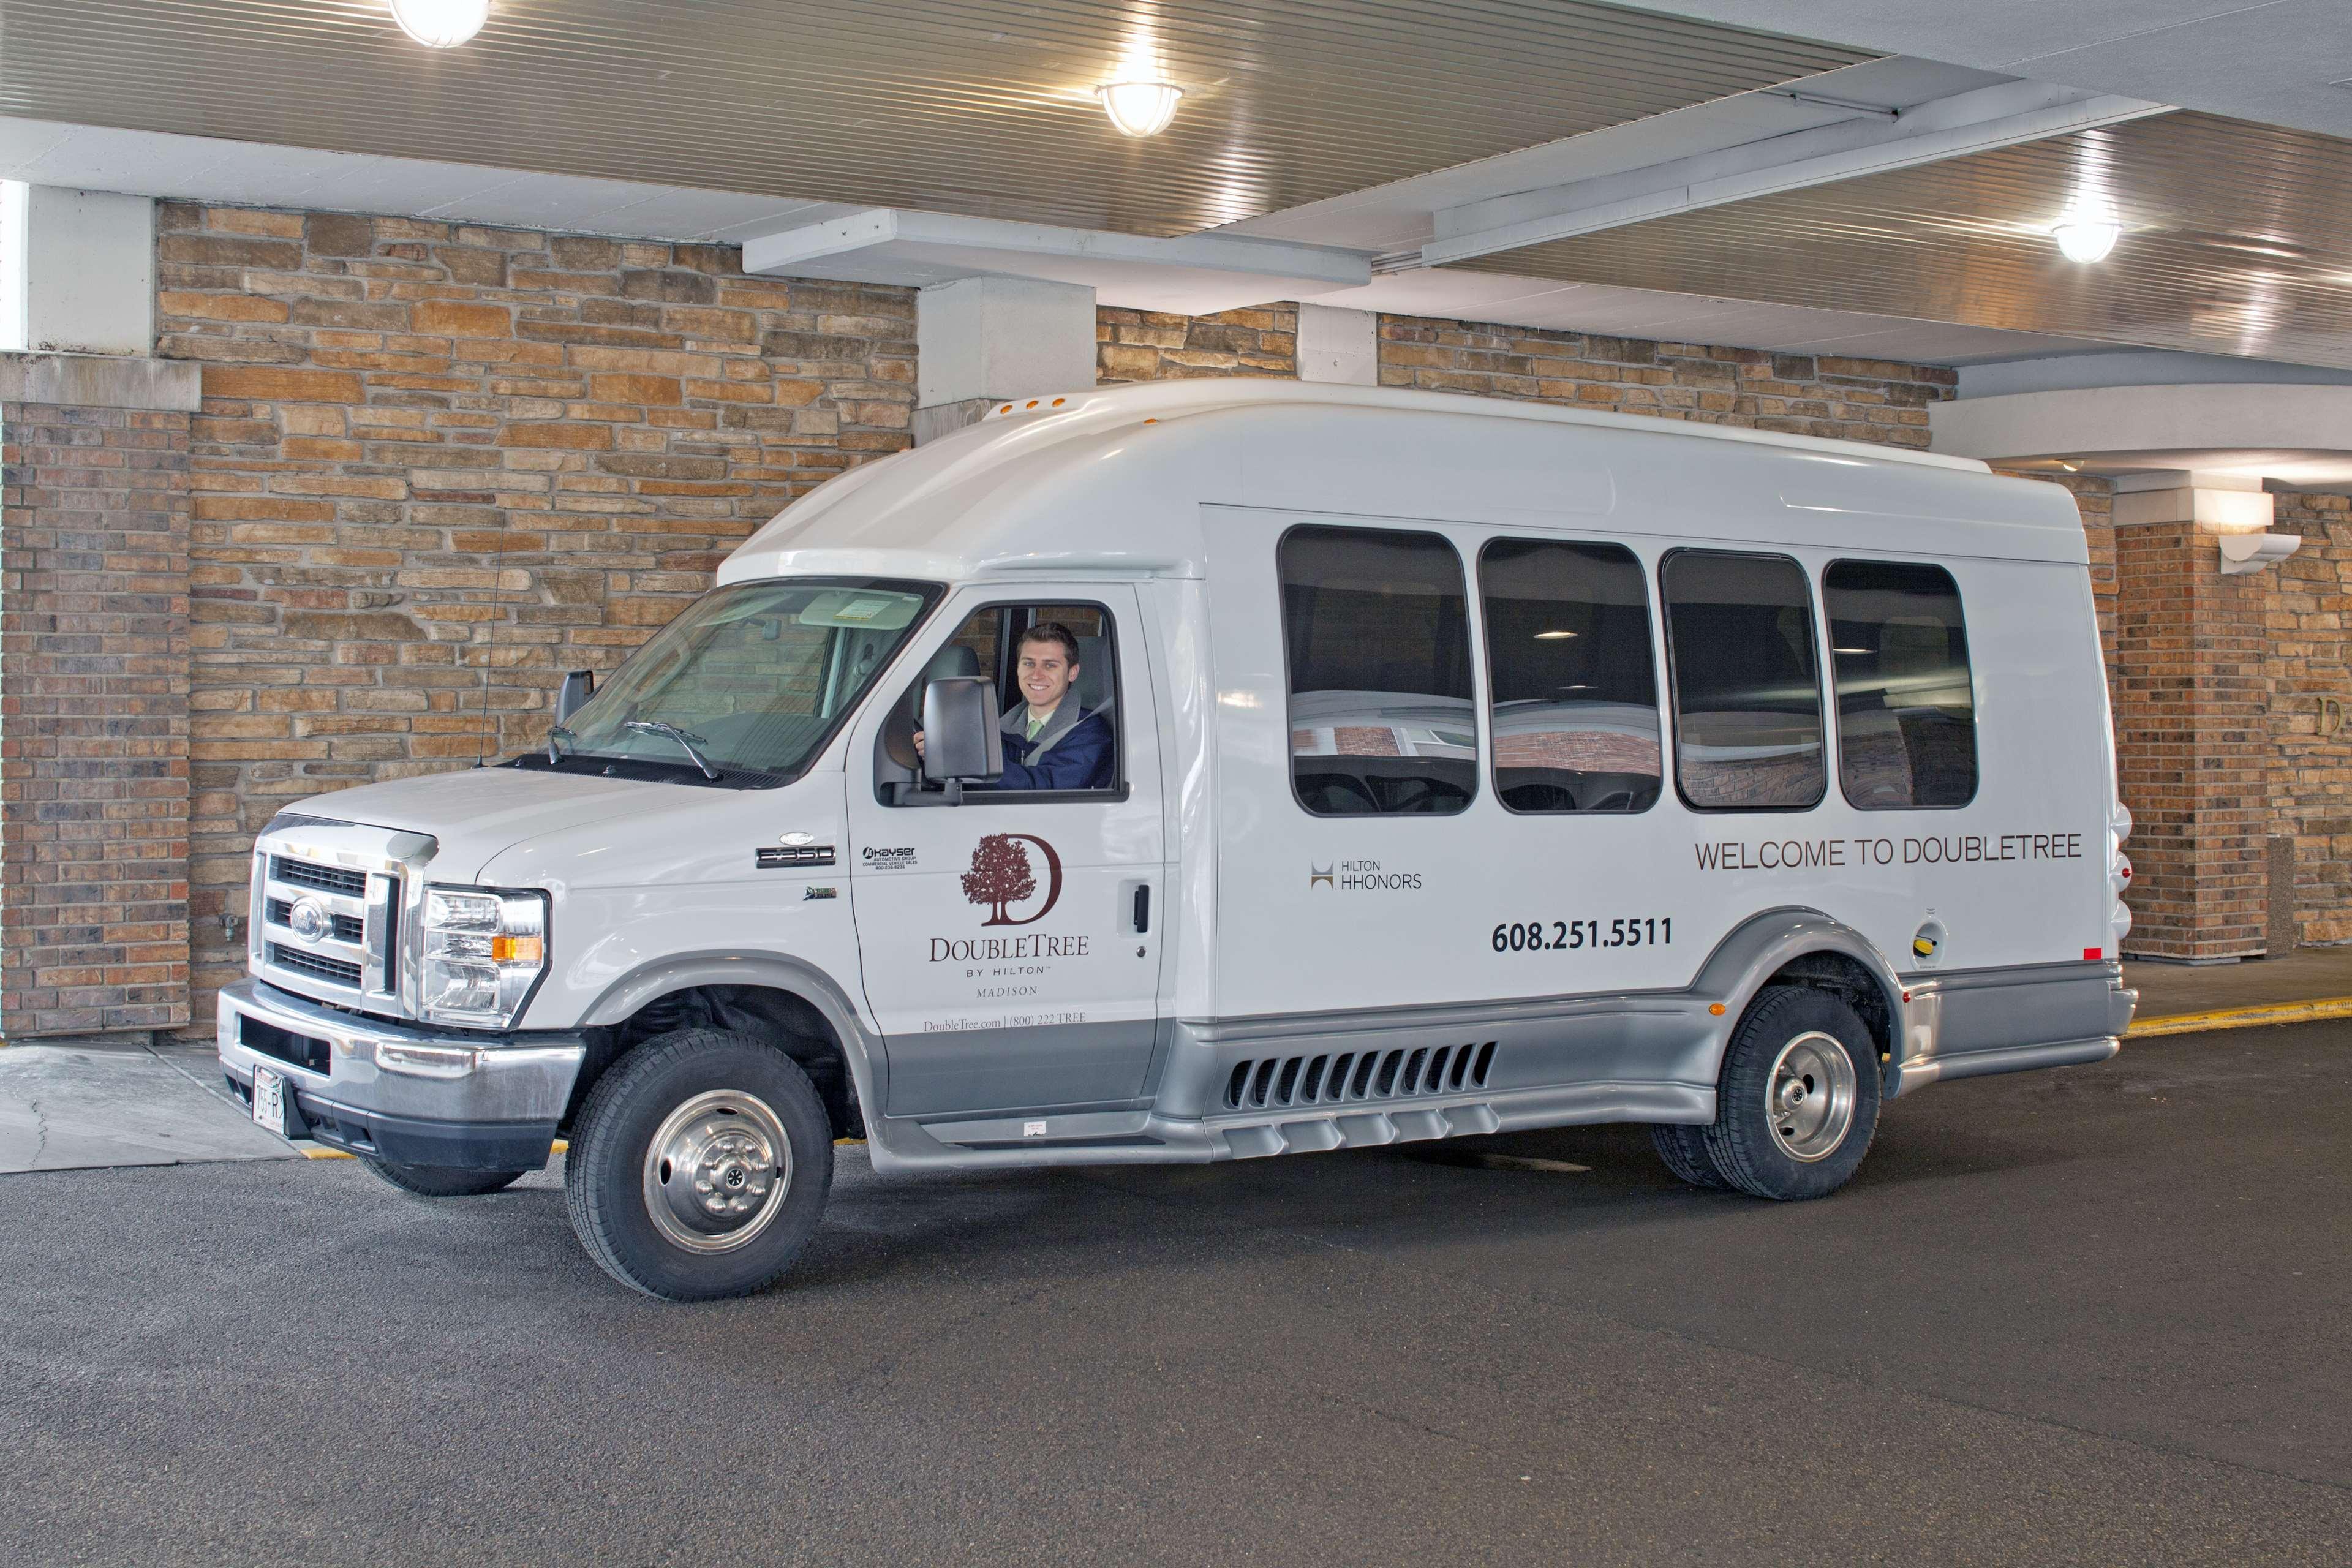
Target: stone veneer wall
[93,719]
[1802,395]
[2309,742]
[1147,345]
[439,464]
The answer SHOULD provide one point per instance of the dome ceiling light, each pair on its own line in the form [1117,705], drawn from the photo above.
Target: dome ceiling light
[441,24]
[2087,231]
[1142,107]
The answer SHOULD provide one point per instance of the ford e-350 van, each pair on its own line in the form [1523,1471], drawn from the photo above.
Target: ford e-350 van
[1471,766]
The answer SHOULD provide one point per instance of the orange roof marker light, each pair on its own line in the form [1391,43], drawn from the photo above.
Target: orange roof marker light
[1059,401]
[1033,403]
[1006,409]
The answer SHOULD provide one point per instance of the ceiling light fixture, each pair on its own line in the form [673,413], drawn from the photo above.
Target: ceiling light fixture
[2087,231]
[1139,108]
[441,24]
[1552,636]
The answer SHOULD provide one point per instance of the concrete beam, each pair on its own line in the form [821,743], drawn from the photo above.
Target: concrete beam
[1869,143]
[84,281]
[101,381]
[1339,346]
[979,341]
[1191,275]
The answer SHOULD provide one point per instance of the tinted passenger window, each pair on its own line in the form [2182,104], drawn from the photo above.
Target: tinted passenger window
[1747,696]
[1906,713]
[1376,627]
[1568,660]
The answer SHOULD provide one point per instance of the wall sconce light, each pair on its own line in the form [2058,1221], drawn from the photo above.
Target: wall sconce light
[2244,552]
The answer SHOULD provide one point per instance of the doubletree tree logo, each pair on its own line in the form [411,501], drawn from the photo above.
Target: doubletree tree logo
[1002,875]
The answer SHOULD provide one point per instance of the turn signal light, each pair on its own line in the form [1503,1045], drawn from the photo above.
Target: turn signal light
[517,949]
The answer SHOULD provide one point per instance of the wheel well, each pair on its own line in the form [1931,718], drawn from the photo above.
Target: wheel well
[791,1023]
[1851,983]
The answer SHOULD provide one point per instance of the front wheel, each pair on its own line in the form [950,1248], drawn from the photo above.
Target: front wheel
[1797,1102]
[699,1165]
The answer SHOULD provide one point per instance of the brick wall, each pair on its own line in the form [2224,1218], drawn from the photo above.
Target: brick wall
[437,465]
[1802,395]
[1146,346]
[2310,716]
[93,719]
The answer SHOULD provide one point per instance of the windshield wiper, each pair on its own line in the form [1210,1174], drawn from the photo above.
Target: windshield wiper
[671,732]
[555,753]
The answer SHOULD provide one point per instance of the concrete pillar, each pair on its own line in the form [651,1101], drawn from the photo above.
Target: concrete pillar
[81,273]
[2191,697]
[1339,345]
[983,340]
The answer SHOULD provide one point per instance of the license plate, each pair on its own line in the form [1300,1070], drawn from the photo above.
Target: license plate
[270,1101]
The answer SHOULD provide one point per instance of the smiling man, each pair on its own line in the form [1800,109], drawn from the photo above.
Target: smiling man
[1050,741]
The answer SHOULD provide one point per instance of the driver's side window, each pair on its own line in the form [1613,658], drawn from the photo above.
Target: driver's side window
[1376,632]
[1054,670]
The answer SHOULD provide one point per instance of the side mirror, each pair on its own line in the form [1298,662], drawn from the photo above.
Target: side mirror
[579,685]
[961,738]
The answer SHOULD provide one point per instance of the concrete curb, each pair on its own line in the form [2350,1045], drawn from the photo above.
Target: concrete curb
[2241,1018]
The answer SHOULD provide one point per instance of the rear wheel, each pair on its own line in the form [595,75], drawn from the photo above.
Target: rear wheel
[1797,1103]
[699,1165]
[442,1180]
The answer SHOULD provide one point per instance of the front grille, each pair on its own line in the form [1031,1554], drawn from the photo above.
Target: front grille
[346,928]
[1347,1075]
[334,970]
[330,879]
[270,1040]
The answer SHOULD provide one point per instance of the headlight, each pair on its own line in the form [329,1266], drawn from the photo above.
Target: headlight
[483,952]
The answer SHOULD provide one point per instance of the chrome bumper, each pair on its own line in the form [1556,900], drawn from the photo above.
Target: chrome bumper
[417,1087]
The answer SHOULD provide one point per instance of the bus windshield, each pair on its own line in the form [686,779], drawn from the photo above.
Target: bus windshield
[751,680]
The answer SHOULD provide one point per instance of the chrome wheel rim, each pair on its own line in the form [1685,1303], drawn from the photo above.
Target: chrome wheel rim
[1809,1098]
[717,1171]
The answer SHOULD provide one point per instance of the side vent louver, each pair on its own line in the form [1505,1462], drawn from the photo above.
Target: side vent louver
[1334,1079]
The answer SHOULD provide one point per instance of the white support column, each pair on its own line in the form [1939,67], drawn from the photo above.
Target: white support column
[979,341]
[1339,346]
[85,275]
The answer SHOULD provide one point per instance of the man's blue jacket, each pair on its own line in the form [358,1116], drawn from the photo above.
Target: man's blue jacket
[1072,753]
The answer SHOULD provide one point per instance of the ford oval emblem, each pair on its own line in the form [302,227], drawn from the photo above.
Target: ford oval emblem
[309,919]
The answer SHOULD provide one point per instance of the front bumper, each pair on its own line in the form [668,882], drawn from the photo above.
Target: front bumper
[404,1095]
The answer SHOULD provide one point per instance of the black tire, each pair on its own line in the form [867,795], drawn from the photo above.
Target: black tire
[442,1180]
[1792,1165]
[607,1171]
[1684,1149]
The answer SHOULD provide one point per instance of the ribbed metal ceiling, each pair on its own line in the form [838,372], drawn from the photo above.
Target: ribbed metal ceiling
[2237,240]
[966,106]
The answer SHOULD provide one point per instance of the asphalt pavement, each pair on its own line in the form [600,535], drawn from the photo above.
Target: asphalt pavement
[2088,1316]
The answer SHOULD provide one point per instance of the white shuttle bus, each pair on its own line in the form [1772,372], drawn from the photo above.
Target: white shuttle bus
[1204,770]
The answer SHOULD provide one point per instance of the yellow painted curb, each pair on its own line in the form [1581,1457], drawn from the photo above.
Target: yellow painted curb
[2241,1018]
[321,1152]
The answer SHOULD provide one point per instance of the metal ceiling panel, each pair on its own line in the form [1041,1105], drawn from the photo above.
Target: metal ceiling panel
[965,106]
[2237,240]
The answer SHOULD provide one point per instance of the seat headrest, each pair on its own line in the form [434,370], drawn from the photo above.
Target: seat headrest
[1094,673]
[950,661]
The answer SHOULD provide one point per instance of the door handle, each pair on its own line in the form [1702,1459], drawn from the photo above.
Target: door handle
[1143,909]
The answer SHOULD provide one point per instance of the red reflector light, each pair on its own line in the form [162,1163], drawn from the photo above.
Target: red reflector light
[2094,954]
